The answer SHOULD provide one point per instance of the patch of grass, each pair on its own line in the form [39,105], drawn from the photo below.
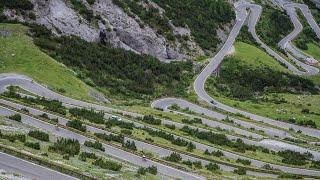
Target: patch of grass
[290,106]
[313,50]
[18,54]
[254,56]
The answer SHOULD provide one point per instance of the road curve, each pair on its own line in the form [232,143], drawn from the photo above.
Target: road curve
[286,43]
[199,83]
[165,152]
[28,169]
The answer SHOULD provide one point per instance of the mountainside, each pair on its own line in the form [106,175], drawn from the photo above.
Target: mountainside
[141,26]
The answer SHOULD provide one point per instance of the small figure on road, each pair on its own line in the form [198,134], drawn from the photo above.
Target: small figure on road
[144,158]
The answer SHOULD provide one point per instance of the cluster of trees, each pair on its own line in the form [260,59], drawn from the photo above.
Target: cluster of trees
[268,26]
[244,161]
[295,158]
[196,164]
[110,137]
[307,35]
[130,74]
[13,137]
[202,17]
[33,145]
[220,139]
[76,124]
[173,157]
[15,117]
[42,136]
[107,164]
[65,146]
[308,123]
[51,105]
[192,121]
[151,169]
[242,82]
[170,137]
[129,145]
[212,167]
[240,171]
[16,4]
[45,116]
[114,122]
[95,145]
[151,120]
[91,115]
[214,153]
[87,155]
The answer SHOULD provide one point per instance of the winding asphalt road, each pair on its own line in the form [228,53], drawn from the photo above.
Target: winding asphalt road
[199,84]
[287,44]
[242,14]
[109,150]
[165,152]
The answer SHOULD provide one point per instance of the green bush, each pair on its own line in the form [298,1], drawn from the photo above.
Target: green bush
[95,145]
[91,115]
[106,164]
[129,145]
[240,171]
[76,124]
[42,136]
[242,82]
[33,145]
[16,4]
[212,167]
[174,157]
[66,146]
[15,117]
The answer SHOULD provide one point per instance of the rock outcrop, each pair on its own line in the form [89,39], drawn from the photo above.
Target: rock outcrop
[120,29]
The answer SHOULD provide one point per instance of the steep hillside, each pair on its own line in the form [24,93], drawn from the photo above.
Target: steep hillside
[163,29]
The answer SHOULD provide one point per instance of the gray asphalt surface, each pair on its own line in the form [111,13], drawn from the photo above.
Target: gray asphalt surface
[286,43]
[110,150]
[214,63]
[29,170]
[165,152]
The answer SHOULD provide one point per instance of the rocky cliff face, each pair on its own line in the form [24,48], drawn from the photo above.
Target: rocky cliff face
[120,29]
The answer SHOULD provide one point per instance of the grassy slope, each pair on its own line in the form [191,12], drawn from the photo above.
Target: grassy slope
[313,50]
[295,103]
[30,61]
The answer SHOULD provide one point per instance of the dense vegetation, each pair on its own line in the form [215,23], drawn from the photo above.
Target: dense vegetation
[13,137]
[107,164]
[242,82]
[222,140]
[51,105]
[64,146]
[42,136]
[202,17]
[16,4]
[15,117]
[149,15]
[307,35]
[95,145]
[294,158]
[91,115]
[119,71]
[33,145]
[76,124]
[268,26]
[110,137]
